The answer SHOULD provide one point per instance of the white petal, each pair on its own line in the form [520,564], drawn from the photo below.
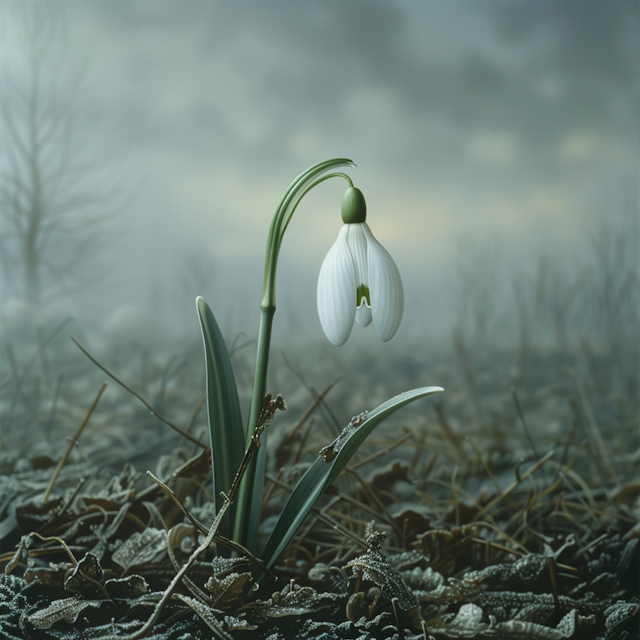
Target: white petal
[336,291]
[363,315]
[385,285]
[357,244]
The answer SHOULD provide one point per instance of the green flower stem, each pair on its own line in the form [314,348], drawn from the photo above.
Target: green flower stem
[304,193]
[250,492]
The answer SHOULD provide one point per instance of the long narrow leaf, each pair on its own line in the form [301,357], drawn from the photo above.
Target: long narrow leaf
[321,474]
[223,408]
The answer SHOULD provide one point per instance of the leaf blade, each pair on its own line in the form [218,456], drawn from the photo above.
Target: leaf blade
[321,474]
[223,406]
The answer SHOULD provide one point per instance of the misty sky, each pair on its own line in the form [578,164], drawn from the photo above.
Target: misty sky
[468,120]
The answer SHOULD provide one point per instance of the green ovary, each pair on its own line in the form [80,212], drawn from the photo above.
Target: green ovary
[362,292]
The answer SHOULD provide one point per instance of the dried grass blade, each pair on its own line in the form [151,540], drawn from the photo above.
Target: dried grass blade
[66,454]
[153,412]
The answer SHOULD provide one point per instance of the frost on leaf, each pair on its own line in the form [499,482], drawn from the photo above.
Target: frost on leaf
[297,602]
[67,609]
[140,548]
[620,612]
[207,614]
[329,452]
[531,630]
[224,566]
[373,566]
[121,488]
[129,587]
[406,560]
[224,591]
[468,623]
[422,579]
[238,624]
[527,571]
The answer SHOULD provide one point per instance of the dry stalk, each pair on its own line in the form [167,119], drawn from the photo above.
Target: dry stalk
[375,500]
[312,407]
[485,465]
[382,452]
[513,485]
[73,441]
[595,430]
[153,412]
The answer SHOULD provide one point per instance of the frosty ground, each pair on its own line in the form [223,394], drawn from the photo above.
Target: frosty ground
[509,505]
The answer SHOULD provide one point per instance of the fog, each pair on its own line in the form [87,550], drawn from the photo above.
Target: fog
[496,145]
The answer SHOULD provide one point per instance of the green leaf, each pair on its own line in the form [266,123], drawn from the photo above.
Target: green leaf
[321,474]
[223,408]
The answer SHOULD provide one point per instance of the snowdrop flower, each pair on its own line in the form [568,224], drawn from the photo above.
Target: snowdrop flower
[358,279]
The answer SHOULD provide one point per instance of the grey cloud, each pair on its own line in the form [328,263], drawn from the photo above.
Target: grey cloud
[324,51]
[589,38]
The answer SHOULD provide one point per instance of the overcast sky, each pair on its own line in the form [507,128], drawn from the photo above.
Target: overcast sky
[467,120]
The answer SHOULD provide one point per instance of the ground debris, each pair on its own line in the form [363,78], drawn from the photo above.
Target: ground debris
[482,550]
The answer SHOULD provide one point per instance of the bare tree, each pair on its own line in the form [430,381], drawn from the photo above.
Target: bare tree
[51,196]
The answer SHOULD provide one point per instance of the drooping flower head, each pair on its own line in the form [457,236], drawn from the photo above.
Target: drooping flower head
[358,279]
